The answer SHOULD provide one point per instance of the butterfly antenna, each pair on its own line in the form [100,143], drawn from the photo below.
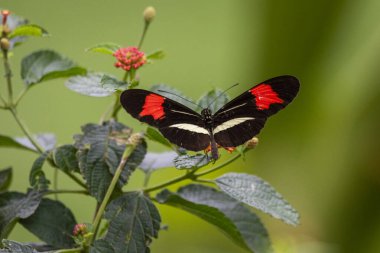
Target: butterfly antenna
[164,91]
[236,84]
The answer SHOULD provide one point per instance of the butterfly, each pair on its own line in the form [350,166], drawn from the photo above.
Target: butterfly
[232,125]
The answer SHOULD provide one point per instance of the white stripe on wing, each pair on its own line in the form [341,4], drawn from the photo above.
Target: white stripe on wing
[231,123]
[191,128]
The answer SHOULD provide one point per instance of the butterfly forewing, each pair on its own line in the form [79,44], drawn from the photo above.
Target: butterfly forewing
[178,123]
[244,117]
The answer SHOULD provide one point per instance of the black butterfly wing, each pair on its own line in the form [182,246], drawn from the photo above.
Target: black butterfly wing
[178,123]
[243,117]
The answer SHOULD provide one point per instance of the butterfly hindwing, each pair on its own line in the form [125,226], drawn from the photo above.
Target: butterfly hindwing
[244,117]
[178,123]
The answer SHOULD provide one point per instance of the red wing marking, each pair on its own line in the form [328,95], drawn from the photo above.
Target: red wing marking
[153,107]
[230,149]
[208,149]
[265,96]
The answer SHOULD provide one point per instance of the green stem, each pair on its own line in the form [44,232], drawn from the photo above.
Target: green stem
[192,175]
[66,192]
[146,26]
[218,167]
[26,131]
[74,250]
[55,182]
[127,152]
[116,105]
[20,96]
[8,76]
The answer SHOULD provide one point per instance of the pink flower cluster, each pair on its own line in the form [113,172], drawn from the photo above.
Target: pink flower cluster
[129,57]
[80,229]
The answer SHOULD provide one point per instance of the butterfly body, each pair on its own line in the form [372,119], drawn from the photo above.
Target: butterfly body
[232,125]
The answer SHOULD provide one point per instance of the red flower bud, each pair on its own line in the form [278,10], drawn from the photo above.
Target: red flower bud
[129,57]
[5,14]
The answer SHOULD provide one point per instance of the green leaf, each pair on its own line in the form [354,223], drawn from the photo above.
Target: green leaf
[101,246]
[52,222]
[191,162]
[100,151]
[157,55]
[133,222]
[9,142]
[13,22]
[234,219]
[89,85]
[155,161]
[28,30]
[45,65]
[214,100]
[154,135]
[37,178]
[163,89]
[66,159]
[110,82]
[104,48]
[14,206]
[256,192]
[46,140]
[5,178]
[16,247]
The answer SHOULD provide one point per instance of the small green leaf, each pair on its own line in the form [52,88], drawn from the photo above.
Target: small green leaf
[89,85]
[133,222]
[9,142]
[14,206]
[110,82]
[52,222]
[256,192]
[104,48]
[45,65]
[16,247]
[46,140]
[154,135]
[28,30]
[214,100]
[66,159]
[37,177]
[157,55]
[234,219]
[13,22]
[155,161]
[191,162]
[5,178]
[100,150]
[163,89]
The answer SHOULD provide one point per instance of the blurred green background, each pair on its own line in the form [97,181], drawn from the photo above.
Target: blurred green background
[321,153]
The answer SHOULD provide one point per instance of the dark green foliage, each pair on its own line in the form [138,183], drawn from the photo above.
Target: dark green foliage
[213,100]
[133,222]
[110,82]
[256,192]
[100,150]
[9,142]
[14,206]
[230,216]
[16,247]
[5,178]
[191,162]
[52,222]
[45,65]
[37,178]
[65,158]
[154,135]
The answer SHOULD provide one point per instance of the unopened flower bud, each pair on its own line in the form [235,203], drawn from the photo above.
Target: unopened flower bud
[252,143]
[4,44]
[149,14]
[5,14]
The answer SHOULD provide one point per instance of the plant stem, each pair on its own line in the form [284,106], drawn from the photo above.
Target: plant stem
[146,26]
[66,191]
[26,131]
[8,76]
[116,105]
[192,175]
[20,96]
[3,100]
[127,152]
[74,250]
